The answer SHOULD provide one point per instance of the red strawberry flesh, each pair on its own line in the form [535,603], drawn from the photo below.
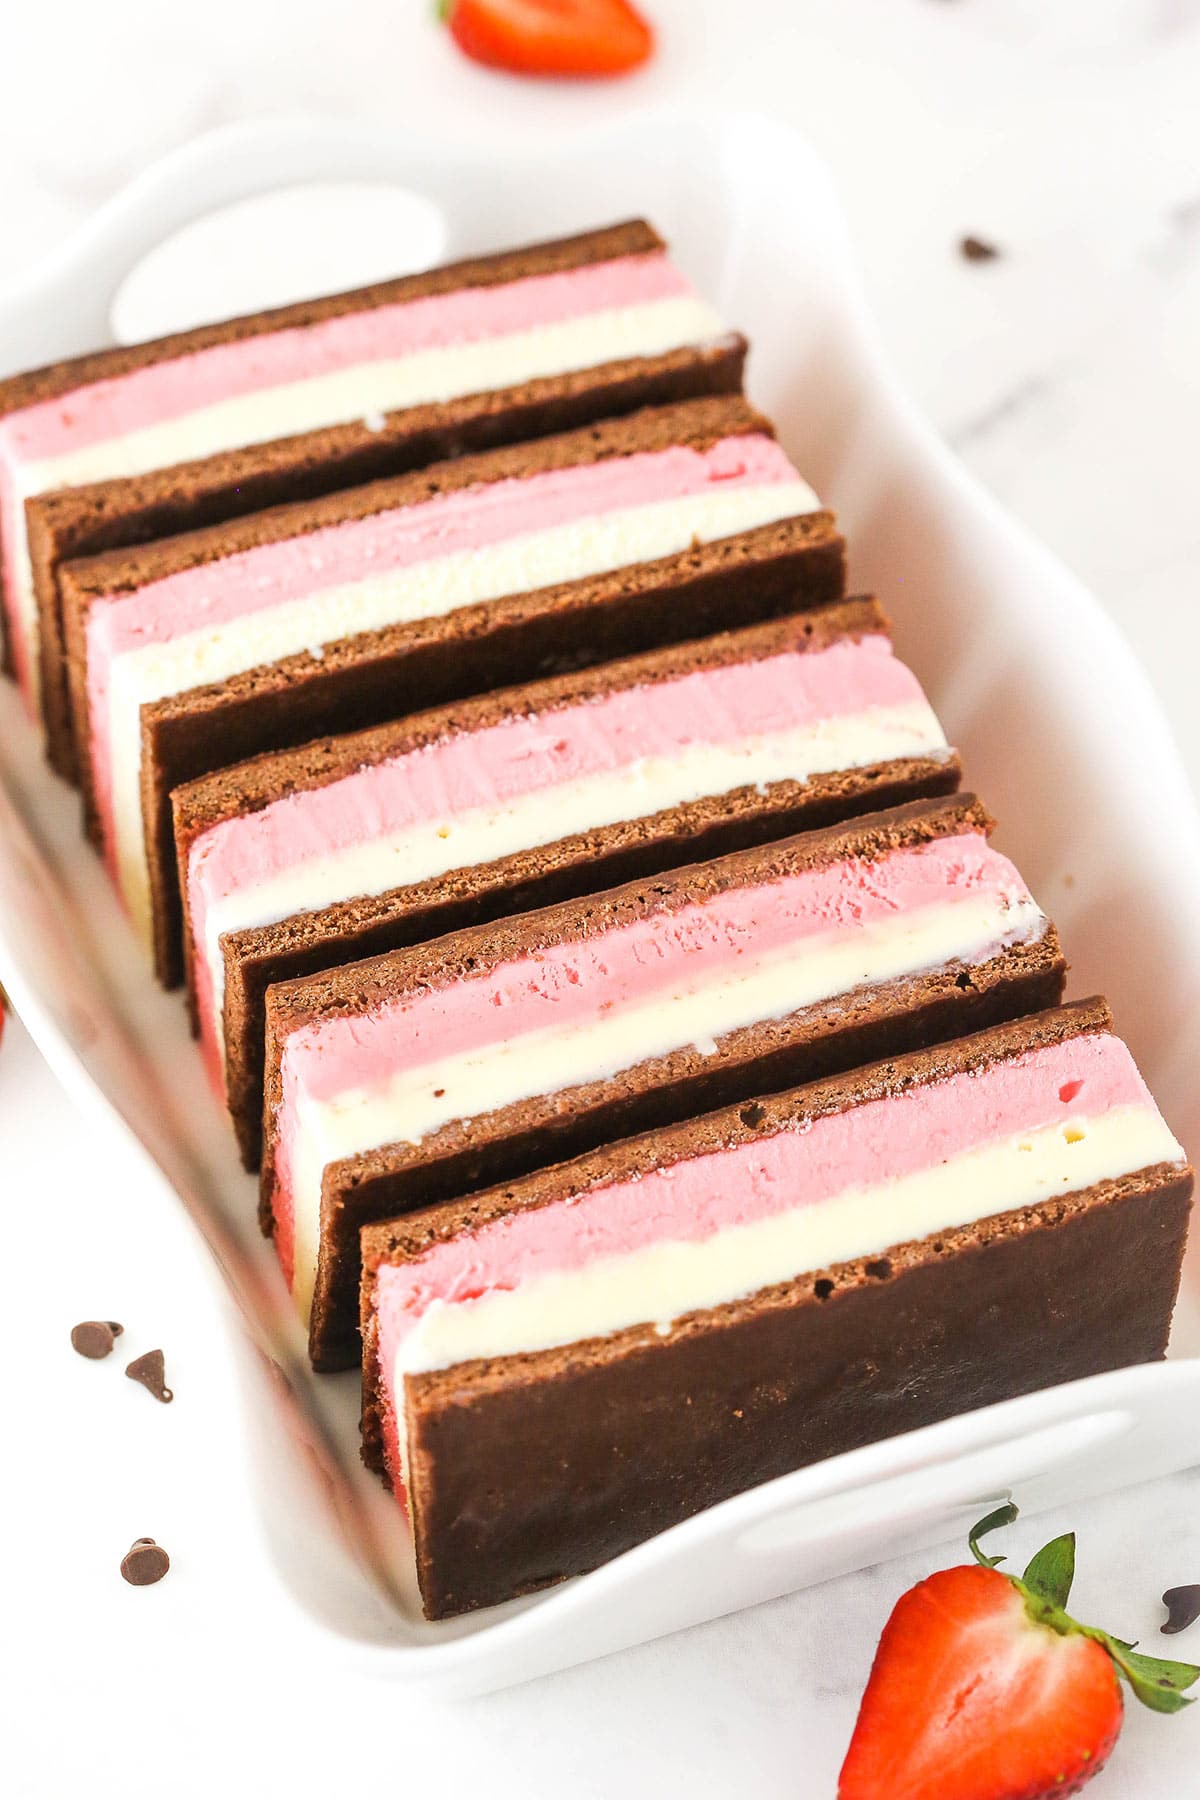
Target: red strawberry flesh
[972,1699]
[551,37]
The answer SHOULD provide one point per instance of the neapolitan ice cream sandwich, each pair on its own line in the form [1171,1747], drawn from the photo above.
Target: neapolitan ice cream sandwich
[202,650]
[558,1369]
[350,846]
[132,444]
[426,1073]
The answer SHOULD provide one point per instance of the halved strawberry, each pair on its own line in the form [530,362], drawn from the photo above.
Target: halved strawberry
[550,37]
[984,1688]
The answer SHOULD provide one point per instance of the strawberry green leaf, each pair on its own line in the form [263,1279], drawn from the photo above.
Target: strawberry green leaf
[1003,1515]
[1052,1570]
[1152,1694]
[1159,1668]
[1156,1681]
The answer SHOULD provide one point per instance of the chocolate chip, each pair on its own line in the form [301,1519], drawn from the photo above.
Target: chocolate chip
[95,1337]
[144,1563]
[1183,1608]
[149,1370]
[976,249]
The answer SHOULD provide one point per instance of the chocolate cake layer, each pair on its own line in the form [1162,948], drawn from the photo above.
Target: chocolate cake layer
[582,781]
[757,970]
[576,548]
[549,337]
[524,1467]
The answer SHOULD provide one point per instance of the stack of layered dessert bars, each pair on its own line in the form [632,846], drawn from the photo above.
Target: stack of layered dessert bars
[657,1078]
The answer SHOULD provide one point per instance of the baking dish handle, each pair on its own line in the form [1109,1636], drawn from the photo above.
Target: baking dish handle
[79,279]
[969,1484]
[1042,1450]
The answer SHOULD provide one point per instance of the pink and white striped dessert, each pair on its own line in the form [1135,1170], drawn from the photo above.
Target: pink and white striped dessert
[420,1074]
[606,1347]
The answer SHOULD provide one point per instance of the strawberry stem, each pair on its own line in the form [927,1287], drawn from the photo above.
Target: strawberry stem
[1003,1515]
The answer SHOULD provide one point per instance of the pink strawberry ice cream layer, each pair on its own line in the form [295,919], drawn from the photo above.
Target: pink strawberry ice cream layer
[122,404]
[527,754]
[870,1145]
[563,985]
[469,519]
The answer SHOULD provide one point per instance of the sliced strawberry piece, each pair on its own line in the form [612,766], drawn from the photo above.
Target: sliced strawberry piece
[551,37]
[970,1699]
[984,1688]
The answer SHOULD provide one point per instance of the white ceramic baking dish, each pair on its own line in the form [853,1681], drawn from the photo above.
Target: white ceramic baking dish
[1061,735]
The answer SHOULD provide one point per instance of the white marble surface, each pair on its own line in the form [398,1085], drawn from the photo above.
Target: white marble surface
[1068,376]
